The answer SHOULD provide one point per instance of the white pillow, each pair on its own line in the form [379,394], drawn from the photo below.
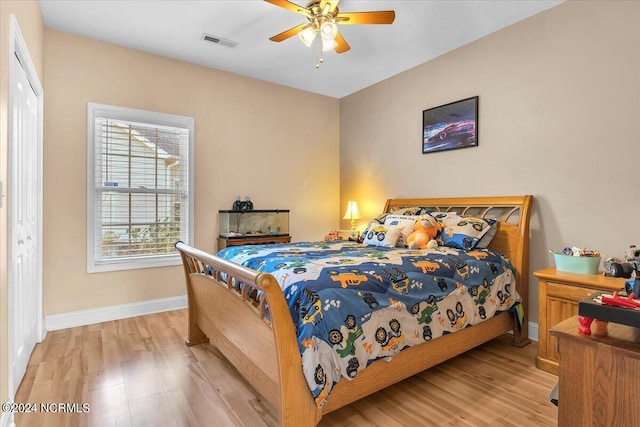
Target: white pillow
[405,222]
[382,235]
[369,226]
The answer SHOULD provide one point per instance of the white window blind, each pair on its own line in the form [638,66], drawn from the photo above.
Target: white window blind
[139,187]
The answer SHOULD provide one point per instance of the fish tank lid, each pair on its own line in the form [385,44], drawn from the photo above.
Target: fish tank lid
[254,211]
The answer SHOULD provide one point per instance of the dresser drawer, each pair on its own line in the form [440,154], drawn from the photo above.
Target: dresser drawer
[568,292]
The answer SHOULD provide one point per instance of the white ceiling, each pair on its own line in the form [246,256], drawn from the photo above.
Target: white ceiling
[423,30]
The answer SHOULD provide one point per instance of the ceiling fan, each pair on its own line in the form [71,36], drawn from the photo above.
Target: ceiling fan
[323,18]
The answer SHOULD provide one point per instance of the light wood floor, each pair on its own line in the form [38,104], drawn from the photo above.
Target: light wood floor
[139,372]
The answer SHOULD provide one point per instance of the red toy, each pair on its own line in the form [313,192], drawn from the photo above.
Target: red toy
[585,324]
[619,301]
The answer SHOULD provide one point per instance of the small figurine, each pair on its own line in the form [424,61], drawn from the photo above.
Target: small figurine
[585,325]
[600,328]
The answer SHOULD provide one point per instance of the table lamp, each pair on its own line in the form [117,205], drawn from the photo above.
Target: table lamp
[352,213]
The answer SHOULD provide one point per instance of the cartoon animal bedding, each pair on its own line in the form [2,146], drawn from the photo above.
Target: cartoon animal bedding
[354,302]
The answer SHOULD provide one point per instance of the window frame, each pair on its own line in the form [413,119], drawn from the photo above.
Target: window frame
[140,116]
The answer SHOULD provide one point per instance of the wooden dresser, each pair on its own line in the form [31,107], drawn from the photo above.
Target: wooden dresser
[598,380]
[559,293]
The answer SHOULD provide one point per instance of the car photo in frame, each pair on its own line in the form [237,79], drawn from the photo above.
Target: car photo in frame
[450,126]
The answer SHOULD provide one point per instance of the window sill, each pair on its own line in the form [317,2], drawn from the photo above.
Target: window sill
[168,261]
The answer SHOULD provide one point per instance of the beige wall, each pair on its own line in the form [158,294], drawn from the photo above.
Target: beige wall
[278,145]
[30,22]
[558,118]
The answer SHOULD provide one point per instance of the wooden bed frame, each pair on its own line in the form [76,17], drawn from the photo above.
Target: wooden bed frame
[225,308]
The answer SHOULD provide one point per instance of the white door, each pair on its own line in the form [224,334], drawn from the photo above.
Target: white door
[24,205]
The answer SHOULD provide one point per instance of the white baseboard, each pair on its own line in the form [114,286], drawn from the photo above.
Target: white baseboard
[115,312]
[533,331]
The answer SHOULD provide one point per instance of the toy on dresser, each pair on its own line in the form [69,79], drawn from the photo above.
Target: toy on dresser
[624,268]
[603,307]
[595,311]
[633,257]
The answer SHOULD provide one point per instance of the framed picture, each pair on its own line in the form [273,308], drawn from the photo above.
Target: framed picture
[450,126]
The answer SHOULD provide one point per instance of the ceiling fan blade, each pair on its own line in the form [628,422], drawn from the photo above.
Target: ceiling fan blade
[341,44]
[357,18]
[332,5]
[291,6]
[288,33]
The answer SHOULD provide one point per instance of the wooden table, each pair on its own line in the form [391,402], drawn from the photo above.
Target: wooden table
[599,377]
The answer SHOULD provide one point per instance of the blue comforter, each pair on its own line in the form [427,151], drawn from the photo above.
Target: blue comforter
[354,304]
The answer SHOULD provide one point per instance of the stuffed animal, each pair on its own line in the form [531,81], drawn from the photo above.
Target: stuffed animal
[424,232]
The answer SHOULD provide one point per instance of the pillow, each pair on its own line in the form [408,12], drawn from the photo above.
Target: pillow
[366,230]
[413,211]
[380,218]
[382,235]
[461,232]
[405,222]
[407,211]
[487,238]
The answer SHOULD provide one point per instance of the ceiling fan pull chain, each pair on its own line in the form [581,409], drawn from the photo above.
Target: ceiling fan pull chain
[319,59]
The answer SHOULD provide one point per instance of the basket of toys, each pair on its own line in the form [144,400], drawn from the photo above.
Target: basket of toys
[576,260]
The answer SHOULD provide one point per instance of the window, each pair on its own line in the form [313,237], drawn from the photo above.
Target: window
[139,187]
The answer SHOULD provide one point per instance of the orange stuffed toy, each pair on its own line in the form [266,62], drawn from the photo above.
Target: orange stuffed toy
[424,232]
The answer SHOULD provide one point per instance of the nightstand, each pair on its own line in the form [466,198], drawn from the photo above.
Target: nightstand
[559,293]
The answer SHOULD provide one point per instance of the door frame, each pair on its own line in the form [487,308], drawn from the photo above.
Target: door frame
[18,51]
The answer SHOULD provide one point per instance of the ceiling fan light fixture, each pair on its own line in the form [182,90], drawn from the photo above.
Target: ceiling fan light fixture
[328,45]
[307,35]
[329,30]
[323,17]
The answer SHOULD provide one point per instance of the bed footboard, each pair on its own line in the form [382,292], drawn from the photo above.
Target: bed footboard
[245,315]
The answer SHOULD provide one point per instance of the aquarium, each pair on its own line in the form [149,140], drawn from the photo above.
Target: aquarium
[235,223]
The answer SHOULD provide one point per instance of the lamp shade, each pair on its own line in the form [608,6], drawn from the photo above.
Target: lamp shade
[329,30]
[328,45]
[307,35]
[352,211]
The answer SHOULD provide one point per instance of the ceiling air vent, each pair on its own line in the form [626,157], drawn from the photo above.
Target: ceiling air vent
[219,40]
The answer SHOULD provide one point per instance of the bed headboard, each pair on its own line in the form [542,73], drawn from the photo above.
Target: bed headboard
[512,237]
